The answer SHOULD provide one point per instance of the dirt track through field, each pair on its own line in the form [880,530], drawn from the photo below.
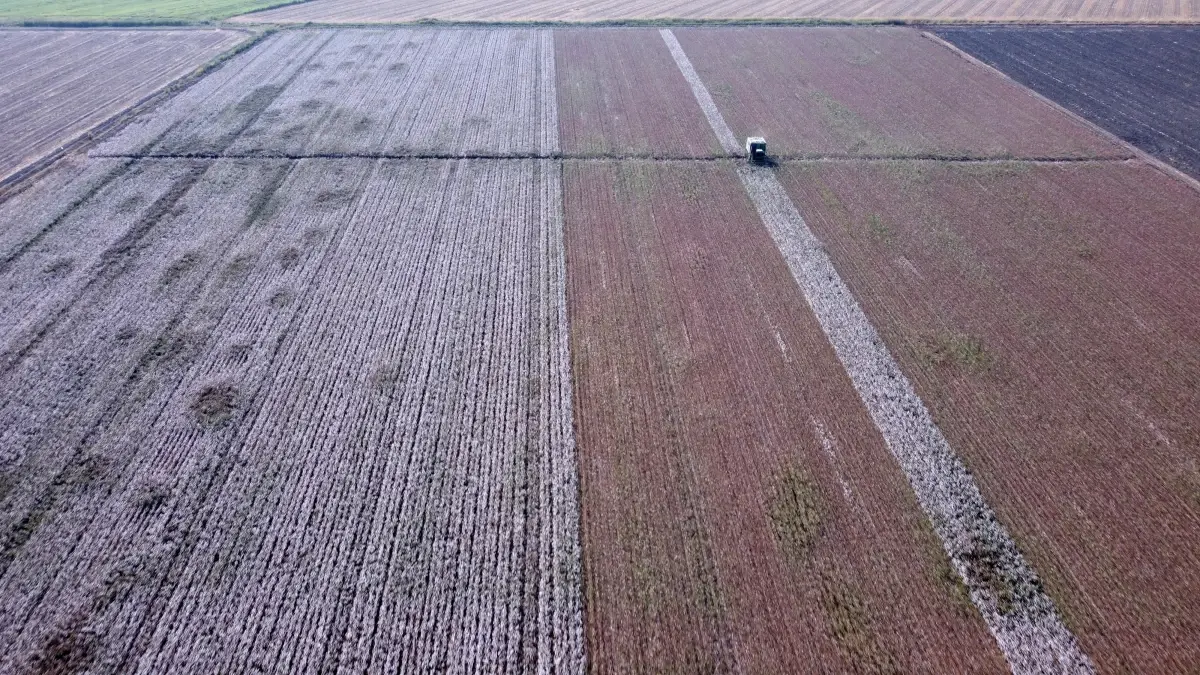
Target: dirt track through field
[1029,631]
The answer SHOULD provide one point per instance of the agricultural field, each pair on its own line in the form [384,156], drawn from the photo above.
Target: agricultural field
[117,12]
[254,404]
[482,349]
[729,492]
[397,11]
[1048,316]
[876,93]
[58,84]
[1139,83]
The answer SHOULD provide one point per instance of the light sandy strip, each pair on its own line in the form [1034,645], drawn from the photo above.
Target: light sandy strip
[1003,586]
[720,128]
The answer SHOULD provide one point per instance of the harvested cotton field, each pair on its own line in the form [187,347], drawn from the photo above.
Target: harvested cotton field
[339,378]
[61,83]
[361,93]
[288,414]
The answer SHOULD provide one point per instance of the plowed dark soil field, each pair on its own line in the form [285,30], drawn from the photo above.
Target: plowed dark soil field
[1140,83]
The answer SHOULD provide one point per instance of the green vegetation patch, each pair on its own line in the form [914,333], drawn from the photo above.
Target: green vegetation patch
[795,512]
[119,12]
[952,348]
[850,626]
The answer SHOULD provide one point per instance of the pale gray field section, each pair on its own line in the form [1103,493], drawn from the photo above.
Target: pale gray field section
[58,84]
[364,93]
[288,415]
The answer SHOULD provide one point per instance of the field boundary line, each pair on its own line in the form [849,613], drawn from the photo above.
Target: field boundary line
[1104,133]
[1003,586]
[561,156]
[23,177]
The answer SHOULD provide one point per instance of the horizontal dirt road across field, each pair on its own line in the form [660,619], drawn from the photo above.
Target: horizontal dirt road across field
[60,83]
[296,364]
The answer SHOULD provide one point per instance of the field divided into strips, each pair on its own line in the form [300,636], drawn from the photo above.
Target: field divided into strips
[624,109]
[1043,310]
[875,92]
[383,11]
[288,414]
[290,386]
[740,511]
[1047,315]
[1139,83]
[59,84]
[118,12]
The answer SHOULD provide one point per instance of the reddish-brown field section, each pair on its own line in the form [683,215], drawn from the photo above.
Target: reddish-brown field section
[875,92]
[740,512]
[58,84]
[366,11]
[621,94]
[1049,316]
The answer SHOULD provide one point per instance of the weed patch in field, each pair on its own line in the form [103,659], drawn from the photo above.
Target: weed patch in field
[849,127]
[289,257]
[179,268]
[850,626]
[59,268]
[150,494]
[238,269]
[66,651]
[281,298]
[795,512]
[214,404]
[878,230]
[952,348]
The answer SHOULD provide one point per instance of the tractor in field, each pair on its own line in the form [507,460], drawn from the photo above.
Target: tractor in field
[756,149]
